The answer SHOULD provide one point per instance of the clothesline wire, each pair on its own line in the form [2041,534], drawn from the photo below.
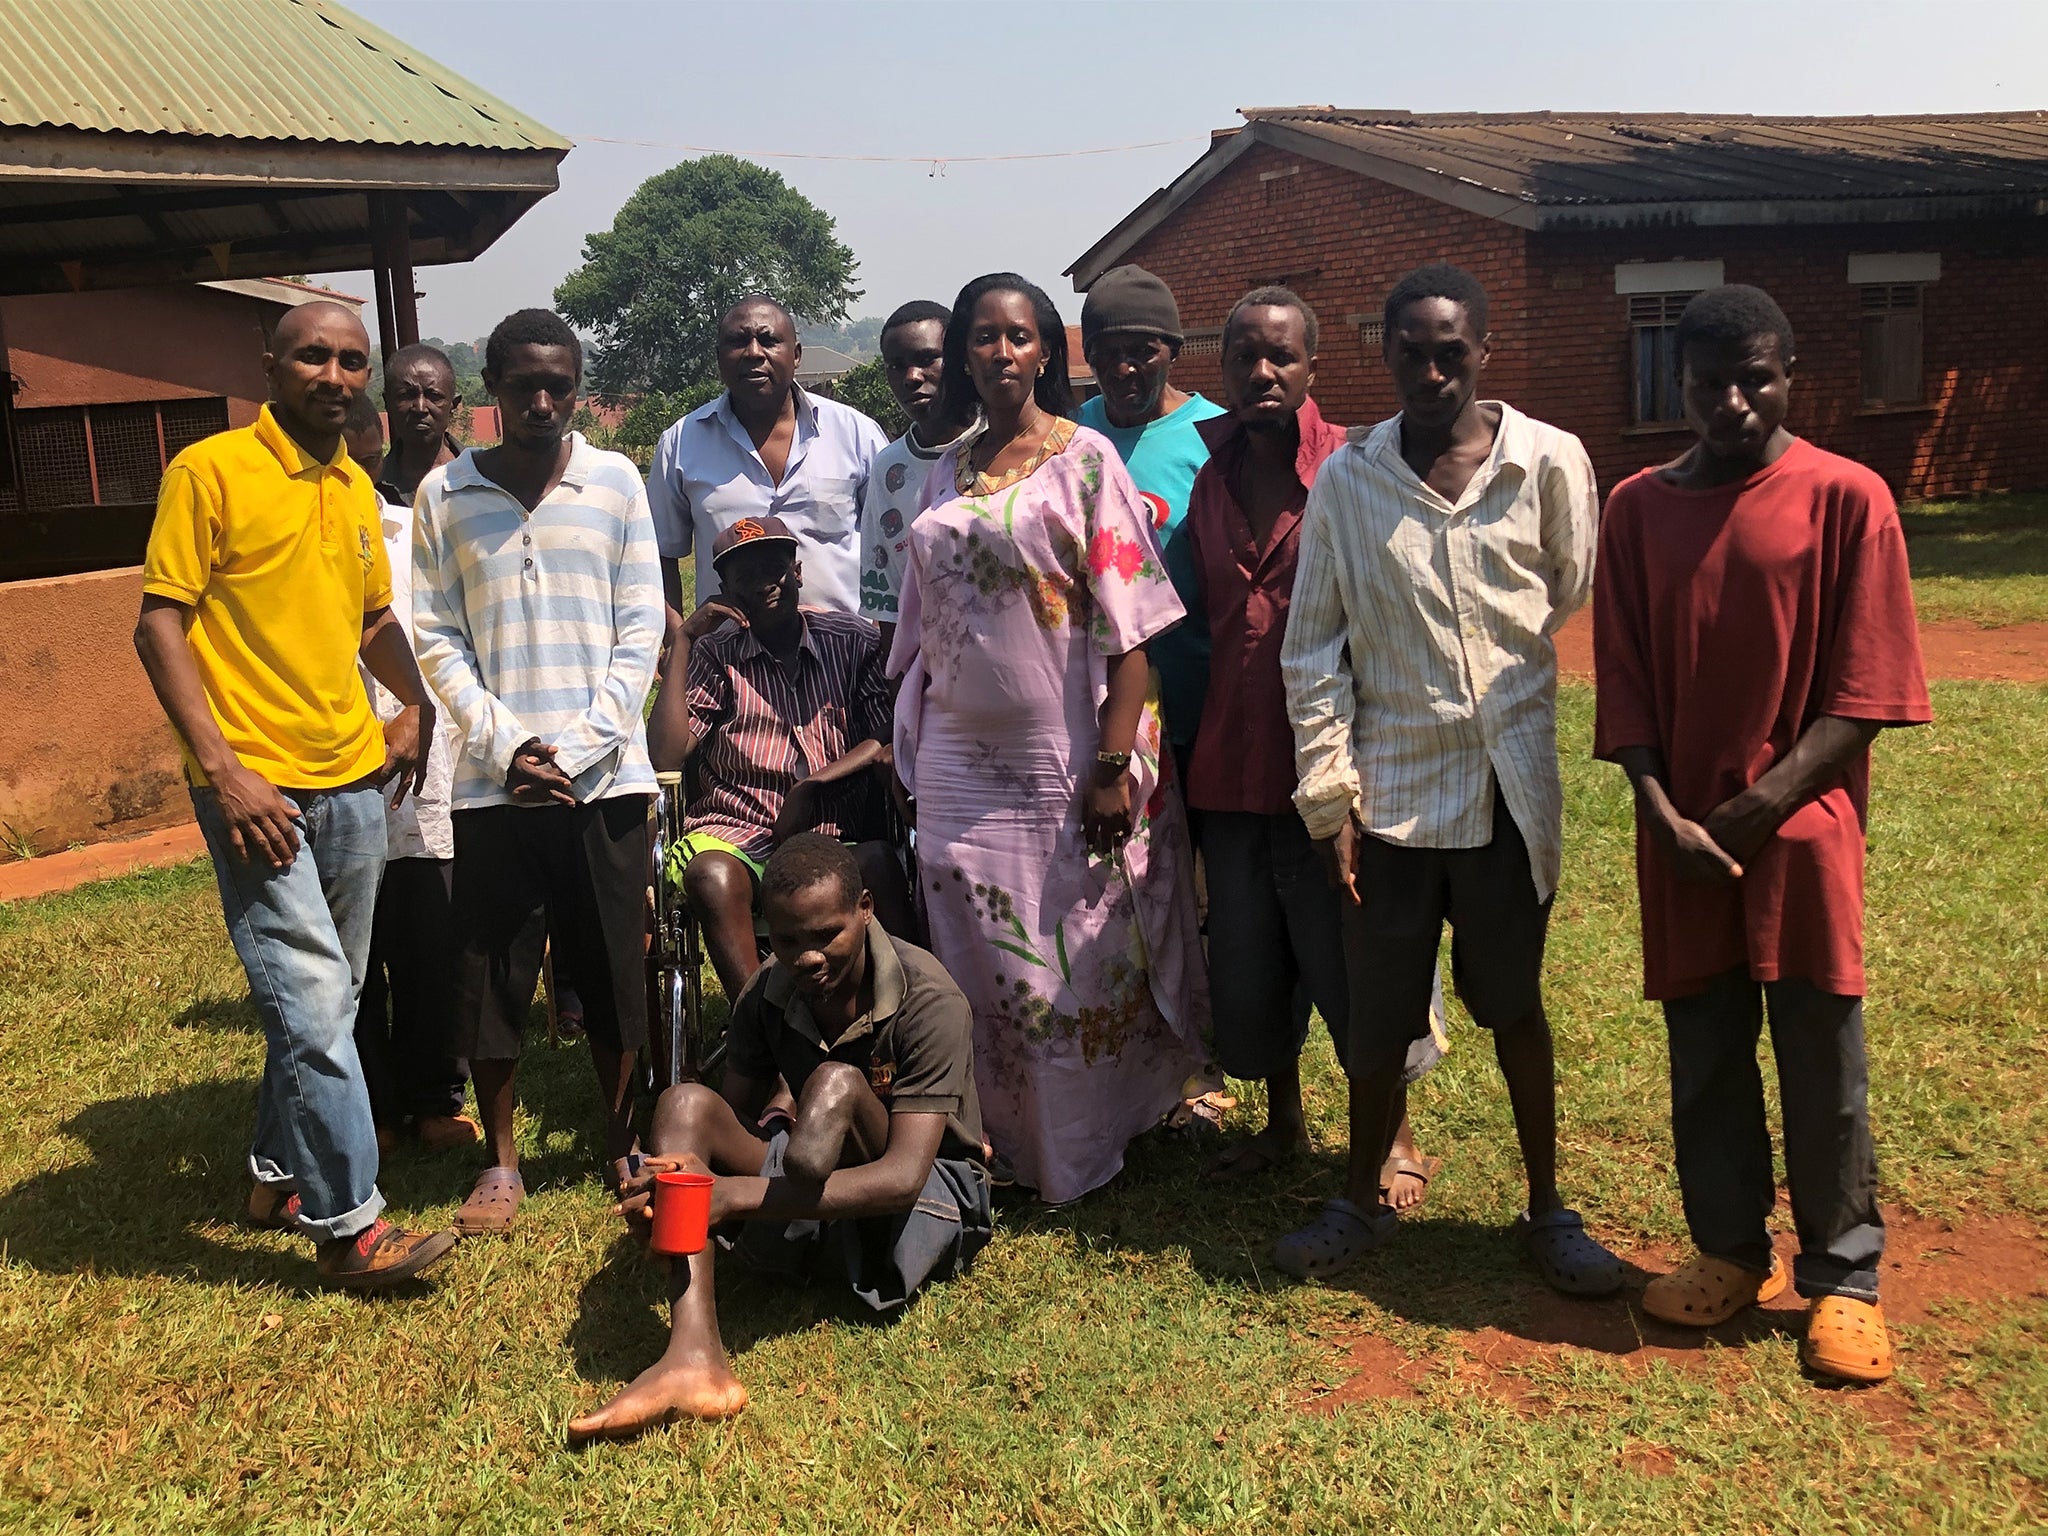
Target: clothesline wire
[936,160]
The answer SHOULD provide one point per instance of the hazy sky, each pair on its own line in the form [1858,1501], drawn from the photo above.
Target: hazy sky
[959,79]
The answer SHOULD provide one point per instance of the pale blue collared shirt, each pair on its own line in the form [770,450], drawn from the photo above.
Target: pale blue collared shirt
[708,475]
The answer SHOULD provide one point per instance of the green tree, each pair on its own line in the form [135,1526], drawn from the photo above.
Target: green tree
[686,245]
[866,388]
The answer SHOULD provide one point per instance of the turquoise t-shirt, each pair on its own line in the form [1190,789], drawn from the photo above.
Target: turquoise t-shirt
[1164,456]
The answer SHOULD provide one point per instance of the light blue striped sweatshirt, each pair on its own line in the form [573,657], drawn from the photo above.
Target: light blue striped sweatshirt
[540,624]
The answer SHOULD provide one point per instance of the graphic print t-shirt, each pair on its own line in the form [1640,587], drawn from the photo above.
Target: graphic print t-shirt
[895,483]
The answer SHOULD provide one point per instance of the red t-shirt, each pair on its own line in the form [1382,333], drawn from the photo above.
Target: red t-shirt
[1725,622]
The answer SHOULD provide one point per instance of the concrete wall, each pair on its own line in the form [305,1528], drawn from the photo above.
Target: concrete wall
[1561,333]
[89,753]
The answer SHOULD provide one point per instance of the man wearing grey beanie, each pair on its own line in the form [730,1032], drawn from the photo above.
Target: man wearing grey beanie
[1130,335]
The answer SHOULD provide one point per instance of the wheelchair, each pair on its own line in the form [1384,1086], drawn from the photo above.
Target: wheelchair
[685,1046]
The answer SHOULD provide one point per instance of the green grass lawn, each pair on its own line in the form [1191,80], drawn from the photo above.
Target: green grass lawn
[1984,560]
[1131,1364]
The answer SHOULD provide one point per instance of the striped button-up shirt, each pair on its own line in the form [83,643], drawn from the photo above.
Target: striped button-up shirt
[762,726]
[1419,662]
[540,624]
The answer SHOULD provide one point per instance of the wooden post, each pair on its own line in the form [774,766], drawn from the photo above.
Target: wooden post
[393,242]
[387,325]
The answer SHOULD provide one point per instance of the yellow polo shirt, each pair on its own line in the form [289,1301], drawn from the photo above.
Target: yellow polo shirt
[279,557]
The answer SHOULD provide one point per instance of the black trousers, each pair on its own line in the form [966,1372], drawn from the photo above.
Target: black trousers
[1724,1145]
[581,872]
[406,1018]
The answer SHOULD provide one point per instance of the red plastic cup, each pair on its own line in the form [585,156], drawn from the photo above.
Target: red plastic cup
[682,1212]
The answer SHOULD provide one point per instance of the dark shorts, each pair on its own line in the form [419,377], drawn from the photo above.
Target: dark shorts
[1276,946]
[884,1258]
[579,872]
[1498,928]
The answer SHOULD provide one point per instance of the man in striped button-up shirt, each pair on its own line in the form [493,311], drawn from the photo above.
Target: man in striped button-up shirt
[1440,551]
[537,616]
[784,710]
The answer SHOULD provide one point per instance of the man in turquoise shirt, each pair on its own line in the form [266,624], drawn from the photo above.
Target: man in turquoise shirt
[1130,334]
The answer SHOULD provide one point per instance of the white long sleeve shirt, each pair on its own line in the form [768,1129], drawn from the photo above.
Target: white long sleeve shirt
[544,623]
[418,826]
[1419,661]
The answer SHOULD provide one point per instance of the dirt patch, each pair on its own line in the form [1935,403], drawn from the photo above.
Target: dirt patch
[1954,650]
[1649,1460]
[1929,1266]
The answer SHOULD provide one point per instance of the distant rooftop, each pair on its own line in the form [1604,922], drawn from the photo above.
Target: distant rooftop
[1585,170]
[1620,157]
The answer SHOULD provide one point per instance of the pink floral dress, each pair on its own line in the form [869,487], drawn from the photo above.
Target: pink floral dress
[1091,1002]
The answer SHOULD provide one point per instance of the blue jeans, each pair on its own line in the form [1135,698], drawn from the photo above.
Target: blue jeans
[303,936]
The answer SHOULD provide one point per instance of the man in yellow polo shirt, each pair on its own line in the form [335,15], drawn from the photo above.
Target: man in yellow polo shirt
[265,578]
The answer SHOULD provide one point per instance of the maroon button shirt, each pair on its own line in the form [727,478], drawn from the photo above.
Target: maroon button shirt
[1244,750]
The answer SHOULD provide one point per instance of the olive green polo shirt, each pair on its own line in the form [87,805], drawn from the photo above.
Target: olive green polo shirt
[915,1044]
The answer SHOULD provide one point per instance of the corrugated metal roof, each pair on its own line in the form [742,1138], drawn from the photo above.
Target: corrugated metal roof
[303,70]
[1588,158]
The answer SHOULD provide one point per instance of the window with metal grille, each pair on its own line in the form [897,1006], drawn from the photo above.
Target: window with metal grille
[82,455]
[1891,344]
[1653,353]
[1372,335]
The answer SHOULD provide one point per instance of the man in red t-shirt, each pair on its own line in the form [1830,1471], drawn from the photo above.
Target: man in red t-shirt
[1753,632]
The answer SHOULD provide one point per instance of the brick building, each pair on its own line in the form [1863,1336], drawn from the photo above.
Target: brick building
[1910,254]
[107,387]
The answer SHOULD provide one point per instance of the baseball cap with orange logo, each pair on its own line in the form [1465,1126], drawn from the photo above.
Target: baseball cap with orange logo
[750,532]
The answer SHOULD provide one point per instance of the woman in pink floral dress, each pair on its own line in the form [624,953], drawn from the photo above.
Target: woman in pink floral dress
[1054,855]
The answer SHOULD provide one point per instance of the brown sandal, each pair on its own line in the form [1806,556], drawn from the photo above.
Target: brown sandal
[1425,1170]
[492,1203]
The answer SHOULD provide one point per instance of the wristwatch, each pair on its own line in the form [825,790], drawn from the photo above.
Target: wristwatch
[1116,762]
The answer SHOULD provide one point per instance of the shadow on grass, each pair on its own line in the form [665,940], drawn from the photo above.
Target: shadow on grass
[167,1180]
[1998,536]
[1442,1272]
[621,1324]
[221,1013]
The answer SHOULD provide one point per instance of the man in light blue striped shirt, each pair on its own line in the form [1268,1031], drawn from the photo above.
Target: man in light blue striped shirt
[537,616]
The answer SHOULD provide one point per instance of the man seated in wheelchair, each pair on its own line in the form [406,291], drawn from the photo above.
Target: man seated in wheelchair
[879,1180]
[782,716]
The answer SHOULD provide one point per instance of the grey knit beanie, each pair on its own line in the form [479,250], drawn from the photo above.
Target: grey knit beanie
[1129,299]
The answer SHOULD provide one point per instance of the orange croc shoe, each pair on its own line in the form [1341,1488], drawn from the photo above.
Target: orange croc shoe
[1708,1291]
[1846,1338]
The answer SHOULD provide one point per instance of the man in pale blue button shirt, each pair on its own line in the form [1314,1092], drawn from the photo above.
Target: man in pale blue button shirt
[764,448]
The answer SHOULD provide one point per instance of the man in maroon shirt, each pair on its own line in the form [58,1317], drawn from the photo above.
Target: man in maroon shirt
[1267,889]
[1753,632]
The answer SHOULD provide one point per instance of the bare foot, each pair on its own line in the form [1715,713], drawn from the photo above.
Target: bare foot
[1255,1154]
[661,1394]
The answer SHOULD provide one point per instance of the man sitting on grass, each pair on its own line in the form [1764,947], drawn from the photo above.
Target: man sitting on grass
[1753,633]
[880,1174]
[782,710]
